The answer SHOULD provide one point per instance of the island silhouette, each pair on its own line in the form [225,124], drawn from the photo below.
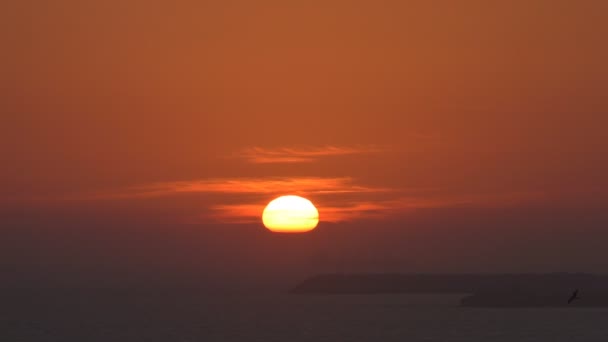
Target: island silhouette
[480,290]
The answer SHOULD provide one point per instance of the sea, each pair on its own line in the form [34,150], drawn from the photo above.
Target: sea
[288,318]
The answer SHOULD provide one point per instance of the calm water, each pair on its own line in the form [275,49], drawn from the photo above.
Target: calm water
[291,318]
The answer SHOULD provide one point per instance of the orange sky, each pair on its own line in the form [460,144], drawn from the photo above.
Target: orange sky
[200,112]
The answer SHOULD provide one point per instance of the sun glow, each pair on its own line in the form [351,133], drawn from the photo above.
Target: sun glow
[290,214]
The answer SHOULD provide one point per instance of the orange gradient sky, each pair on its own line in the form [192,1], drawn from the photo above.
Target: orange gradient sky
[396,114]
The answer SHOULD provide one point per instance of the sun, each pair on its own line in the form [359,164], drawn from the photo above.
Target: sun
[290,214]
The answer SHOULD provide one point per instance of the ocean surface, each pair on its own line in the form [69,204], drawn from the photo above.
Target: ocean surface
[181,318]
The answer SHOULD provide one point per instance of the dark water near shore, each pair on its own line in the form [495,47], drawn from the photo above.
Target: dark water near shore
[289,318]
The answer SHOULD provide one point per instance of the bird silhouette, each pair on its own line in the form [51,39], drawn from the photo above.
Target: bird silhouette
[574,296]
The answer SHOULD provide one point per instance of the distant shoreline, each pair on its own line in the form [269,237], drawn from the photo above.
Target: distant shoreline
[478,290]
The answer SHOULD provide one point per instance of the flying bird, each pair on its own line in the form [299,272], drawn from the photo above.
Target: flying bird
[574,296]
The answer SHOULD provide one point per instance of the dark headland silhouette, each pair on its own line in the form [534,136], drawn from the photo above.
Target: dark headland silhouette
[483,290]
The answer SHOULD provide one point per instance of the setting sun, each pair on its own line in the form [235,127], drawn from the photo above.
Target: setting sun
[290,214]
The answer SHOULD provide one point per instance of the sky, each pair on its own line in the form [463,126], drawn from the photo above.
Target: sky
[140,140]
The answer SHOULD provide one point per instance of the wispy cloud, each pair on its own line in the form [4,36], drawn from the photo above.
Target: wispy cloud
[339,199]
[349,211]
[260,155]
[294,185]
[358,207]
